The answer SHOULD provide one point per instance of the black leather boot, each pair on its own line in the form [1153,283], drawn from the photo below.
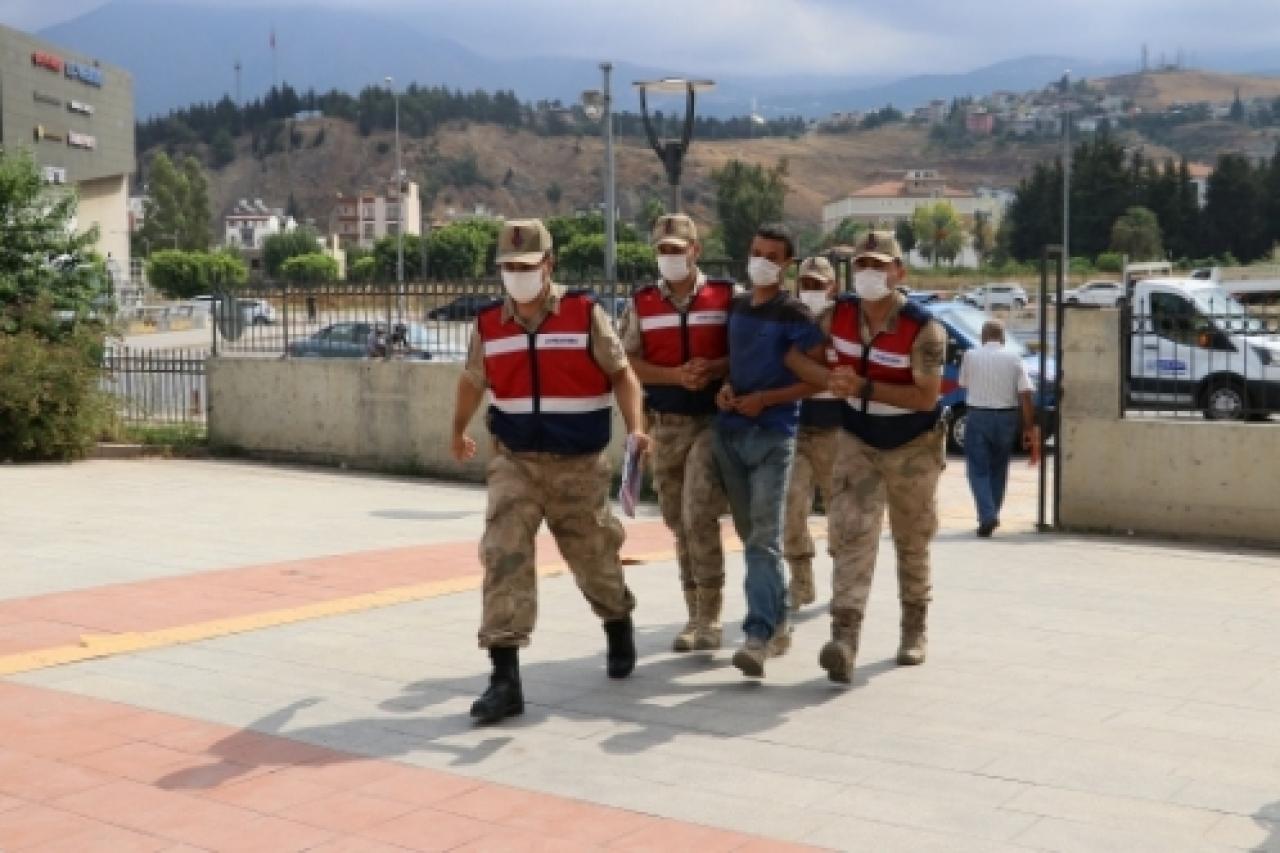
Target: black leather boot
[621,656]
[504,698]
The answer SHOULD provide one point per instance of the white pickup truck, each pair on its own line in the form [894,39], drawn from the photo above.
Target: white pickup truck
[1195,346]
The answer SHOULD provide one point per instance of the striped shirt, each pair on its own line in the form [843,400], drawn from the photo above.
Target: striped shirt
[994,377]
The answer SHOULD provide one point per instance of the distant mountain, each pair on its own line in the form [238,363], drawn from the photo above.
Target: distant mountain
[181,54]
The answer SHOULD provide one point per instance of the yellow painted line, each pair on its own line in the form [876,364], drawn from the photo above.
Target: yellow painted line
[96,646]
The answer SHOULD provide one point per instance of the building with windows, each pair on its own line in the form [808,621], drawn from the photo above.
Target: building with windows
[886,203]
[363,219]
[75,115]
[250,223]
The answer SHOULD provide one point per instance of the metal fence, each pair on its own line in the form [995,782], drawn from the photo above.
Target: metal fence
[1200,355]
[423,320]
[153,387]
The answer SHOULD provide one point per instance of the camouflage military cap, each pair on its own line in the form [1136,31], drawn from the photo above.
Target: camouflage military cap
[523,241]
[674,229]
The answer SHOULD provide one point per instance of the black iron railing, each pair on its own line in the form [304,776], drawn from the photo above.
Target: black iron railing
[152,387]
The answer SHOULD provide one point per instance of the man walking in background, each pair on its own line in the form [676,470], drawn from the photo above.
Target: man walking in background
[820,418]
[997,384]
[675,332]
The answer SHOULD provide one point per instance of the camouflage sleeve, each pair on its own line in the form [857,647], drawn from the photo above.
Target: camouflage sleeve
[474,370]
[629,331]
[929,352]
[606,348]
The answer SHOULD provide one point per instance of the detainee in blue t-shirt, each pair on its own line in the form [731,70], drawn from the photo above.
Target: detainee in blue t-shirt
[755,436]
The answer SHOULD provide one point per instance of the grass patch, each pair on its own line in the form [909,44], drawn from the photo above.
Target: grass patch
[174,436]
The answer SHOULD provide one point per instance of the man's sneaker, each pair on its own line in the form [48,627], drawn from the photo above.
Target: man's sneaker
[837,659]
[751,657]
[780,642]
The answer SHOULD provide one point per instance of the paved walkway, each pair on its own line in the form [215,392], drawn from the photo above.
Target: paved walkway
[300,681]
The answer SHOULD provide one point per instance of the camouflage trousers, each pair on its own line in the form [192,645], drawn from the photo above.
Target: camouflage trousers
[690,496]
[815,458]
[865,481]
[572,494]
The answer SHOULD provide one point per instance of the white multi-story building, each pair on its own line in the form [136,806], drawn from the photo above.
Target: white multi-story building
[364,219]
[885,204]
[250,223]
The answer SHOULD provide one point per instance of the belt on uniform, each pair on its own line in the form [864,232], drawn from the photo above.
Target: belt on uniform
[676,418]
[993,409]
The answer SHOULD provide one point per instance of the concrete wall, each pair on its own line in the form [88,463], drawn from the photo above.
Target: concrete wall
[376,415]
[1186,478]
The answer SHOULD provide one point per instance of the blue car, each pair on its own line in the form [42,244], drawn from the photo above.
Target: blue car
[963,323]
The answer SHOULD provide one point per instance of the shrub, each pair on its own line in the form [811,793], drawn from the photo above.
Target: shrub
[50,405]
[1110,262]
[309,269]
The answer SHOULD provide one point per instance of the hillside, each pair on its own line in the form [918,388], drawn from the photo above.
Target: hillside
[1155,91]
[517,168]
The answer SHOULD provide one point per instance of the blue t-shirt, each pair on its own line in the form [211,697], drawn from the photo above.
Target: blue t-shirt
[760,336]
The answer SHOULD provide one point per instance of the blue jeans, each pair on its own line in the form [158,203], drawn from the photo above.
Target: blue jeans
[988,444]
[754,464]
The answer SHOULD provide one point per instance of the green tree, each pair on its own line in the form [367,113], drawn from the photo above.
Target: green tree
[182,275]
[44,265]
[636,261]
[650,211]
[984,236]
[746,197]
[939,230]
[196,216]
[222,149]
[164,210]
[363,269]
[1137,234]
[309,270]
[463,249]
[279,248]
[1233,211]
[905,232]
[846,233]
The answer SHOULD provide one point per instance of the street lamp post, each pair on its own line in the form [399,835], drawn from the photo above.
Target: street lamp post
[600,104]
[399,199]
[1066,179]
[671,151]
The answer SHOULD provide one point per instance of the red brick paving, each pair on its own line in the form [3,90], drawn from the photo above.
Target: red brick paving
[61,619]
[130,780]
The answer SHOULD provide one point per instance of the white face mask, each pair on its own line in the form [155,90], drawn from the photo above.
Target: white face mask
[673,267]
[815,300]
[763,272]
[523,286]
[871,285]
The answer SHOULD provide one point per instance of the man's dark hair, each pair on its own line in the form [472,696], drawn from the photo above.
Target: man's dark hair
[781,233]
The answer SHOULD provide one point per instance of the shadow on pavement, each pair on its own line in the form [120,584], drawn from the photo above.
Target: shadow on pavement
[662,700]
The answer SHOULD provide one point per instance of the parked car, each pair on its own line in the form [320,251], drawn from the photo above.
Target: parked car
[963,323]
[464,307]
[988,296]
[258,312]
[363,339]
[922,297]
[1104,293]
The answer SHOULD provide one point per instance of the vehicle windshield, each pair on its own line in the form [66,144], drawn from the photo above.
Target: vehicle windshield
[1227,312]
[968,321]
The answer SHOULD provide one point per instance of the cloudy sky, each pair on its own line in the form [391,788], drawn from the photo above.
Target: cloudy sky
[795,36]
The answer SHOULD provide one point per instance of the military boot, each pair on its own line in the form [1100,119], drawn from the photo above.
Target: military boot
[801,591]
[504,698]
[621,656]
[751,657]
[914,638]
[687,639]
[709,633]
[838,655]
[780,642]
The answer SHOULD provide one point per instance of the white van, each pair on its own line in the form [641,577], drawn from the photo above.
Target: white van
[1195,346]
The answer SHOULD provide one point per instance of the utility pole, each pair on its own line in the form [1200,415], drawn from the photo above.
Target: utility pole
[1066,181]
[237,67]
[610,191]
[399,199]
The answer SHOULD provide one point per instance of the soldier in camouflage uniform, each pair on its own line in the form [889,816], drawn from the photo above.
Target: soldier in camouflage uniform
[551,363]
[674,333]
[890,453]
[820,418]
